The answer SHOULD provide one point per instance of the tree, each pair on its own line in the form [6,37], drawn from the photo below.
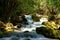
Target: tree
[53,7]
[6,7]
[15,8]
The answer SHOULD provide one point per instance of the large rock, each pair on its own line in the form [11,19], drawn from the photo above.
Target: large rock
[35,18]
[48,32]
[9,26]
[51,24]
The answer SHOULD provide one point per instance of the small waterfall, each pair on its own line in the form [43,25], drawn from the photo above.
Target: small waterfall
[27,33]
[29,19]
[30,34]
[43,20]
[31,24]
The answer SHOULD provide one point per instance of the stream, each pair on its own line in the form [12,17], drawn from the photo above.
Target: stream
[24,36]
[27,33]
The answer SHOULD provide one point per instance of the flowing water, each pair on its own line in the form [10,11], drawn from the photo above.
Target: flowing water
[24,36]
[27,33]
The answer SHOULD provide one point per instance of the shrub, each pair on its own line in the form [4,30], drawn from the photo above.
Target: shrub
[1,34]
[2,26]
[48,32]
[52,18]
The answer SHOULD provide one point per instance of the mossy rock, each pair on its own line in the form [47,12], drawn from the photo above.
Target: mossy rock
[48,32]
[50,24]
[9,27]
[1,34]
[35,18]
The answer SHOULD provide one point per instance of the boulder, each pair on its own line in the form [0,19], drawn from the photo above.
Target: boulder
[9,26]
[48,32]
[50,24]
[35,18]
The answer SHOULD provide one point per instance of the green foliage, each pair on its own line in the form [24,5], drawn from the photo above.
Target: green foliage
[53,4]
[15,8]
[6,7]
[50,33]
[2,27]
[24,6]
[4,19]
[52,18]
[1,34]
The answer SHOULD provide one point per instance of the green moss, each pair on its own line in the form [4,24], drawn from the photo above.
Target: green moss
[51,25]
[35,18]
[48,32]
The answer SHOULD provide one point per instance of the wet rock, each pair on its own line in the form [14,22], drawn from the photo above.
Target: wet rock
[35,18]
[26,31]
[48,32]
